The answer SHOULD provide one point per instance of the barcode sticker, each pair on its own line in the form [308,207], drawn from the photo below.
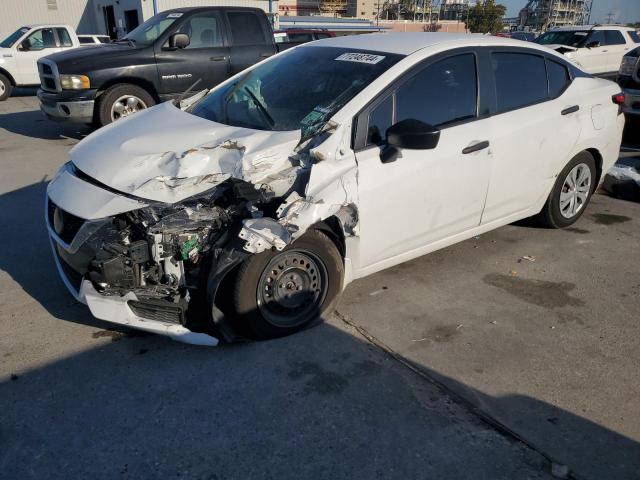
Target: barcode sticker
[360,58]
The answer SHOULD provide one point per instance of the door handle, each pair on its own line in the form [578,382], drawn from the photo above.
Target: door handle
[569,110]
[217,59]
[476,147]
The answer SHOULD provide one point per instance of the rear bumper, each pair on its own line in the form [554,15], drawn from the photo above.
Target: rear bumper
[68,106]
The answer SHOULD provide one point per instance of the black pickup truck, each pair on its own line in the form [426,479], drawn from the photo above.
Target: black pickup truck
[157,61]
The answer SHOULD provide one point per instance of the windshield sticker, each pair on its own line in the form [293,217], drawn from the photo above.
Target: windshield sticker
[361,58]
[174,15]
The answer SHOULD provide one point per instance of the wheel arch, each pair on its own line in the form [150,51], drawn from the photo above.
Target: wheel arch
[597,156]
[9,76]
[137,81]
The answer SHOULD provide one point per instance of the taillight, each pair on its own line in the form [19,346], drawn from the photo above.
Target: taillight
[618,98]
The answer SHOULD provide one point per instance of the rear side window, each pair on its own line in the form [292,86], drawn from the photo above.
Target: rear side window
[614,37]
[521,80]
[246,28]
[300,37]
[442,93]
[634,36]
[63,37]
[204,30]
[559,78]
[85,40]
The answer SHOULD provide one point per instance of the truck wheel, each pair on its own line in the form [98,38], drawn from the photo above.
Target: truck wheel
[120,101]
[5,88]
[279,293]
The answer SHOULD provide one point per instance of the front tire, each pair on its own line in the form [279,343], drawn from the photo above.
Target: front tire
[279,293]
[5,88]
[120,101]
[571,192]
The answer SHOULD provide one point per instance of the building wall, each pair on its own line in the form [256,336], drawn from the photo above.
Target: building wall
[79,14]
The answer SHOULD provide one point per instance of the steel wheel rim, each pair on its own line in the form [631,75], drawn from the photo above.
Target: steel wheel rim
[126,105]
[575,190]
[292,287]
[3,88]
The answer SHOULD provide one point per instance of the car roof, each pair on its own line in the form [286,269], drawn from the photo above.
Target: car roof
[411,42]
[205,9]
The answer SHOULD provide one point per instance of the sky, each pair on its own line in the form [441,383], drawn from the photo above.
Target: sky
[625,11]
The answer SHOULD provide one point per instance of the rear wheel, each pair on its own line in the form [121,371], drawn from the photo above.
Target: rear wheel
[120,101]
[571,192]
[5,88]
[279,293]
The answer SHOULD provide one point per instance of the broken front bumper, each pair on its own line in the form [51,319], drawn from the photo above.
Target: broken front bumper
[124,310]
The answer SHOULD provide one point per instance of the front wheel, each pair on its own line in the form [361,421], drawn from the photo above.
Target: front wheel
[120,101]
[5,88]
[571,192]
[279,293]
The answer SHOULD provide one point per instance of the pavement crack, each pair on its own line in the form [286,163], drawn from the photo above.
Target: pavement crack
[473,409]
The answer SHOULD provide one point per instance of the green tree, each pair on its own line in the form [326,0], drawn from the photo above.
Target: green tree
[486,17]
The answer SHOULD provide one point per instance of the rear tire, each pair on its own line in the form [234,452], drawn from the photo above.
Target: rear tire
[119,101]
[279,293]
[5,88]
[571,192]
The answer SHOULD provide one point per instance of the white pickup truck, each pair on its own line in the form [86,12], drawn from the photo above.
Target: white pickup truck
[598,49]
[20,51]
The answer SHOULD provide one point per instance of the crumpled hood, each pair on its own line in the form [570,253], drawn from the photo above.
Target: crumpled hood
[167,155]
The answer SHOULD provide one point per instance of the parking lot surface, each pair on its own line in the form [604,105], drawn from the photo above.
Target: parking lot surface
[431,369]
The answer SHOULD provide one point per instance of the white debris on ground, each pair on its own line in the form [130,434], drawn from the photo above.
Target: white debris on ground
[623,179]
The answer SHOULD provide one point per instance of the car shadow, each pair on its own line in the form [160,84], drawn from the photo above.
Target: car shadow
[319,404]
[33,124]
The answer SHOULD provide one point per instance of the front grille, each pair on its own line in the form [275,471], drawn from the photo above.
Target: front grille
[48,83]
[63,223]
[157,311]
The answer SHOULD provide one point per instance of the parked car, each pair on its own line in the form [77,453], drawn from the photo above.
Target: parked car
[248,211]
[94,39]
[157,61]
[300,35]
[524,36]
[629,80]
[20,51]
[597,49]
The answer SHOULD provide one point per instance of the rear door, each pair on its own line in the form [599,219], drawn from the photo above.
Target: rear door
[617,48]
[534,128]
[424,195]
[251,39]
[205,58]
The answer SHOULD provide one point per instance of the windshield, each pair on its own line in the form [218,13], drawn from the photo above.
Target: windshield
[149,31]
[13,38]
[571,38]
[297,90]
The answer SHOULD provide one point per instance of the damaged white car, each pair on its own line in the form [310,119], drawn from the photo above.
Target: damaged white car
[245,212]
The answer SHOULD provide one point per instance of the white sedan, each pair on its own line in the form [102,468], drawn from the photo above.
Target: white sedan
[246,210]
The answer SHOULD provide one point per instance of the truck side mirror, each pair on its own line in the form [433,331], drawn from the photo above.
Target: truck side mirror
[179,40]
[593,44]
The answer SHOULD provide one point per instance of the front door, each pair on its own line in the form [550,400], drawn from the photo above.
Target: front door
[424,196]
[206,58]
[36,45]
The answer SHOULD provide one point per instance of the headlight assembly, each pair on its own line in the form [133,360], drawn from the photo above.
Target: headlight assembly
[74,82]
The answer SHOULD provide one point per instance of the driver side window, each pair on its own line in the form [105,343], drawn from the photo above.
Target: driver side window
[40,39]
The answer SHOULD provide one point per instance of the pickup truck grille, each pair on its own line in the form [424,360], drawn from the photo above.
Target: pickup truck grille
[49,77]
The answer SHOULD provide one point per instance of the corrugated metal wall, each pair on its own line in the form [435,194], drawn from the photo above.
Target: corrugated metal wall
[79,14]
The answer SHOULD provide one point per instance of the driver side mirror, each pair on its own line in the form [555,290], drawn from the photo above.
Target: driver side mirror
[26,46]
[179,40]
[410,134]
[593,44]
